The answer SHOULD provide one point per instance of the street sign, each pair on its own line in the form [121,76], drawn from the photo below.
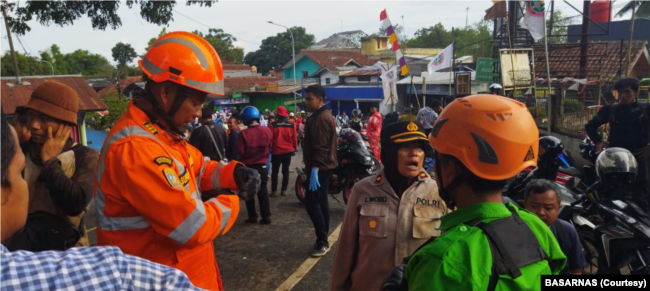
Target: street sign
[484,67]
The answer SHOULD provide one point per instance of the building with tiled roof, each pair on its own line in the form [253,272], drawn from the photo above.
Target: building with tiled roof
[604,60]
[308,61]
[122,83]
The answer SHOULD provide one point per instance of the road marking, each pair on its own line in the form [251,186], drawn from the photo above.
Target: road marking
[302,271]
[91,229]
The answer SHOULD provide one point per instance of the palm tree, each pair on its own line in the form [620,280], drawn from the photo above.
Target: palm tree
[642,9]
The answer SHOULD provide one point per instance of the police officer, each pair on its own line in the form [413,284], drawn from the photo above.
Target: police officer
[389,215]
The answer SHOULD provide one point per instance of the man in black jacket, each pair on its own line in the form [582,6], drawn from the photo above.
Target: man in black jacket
[209,138]
[319,156]
[59,172]
[628,128]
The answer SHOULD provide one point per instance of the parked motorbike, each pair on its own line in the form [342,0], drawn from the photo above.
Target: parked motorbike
[355,160]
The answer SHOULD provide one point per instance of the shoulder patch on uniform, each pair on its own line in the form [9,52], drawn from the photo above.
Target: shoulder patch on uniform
[163,160]
[150,127]
[378,179]
[171,177]
[185,177]
[423,175]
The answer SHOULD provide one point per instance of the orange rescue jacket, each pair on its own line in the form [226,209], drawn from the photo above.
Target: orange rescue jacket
[148,201]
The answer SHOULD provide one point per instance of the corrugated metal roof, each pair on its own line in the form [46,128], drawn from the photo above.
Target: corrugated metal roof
[14,96]
[362,72]
[336,58]
[123,84]
[435,78]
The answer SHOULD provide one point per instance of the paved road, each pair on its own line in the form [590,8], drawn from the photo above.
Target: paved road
[263,257]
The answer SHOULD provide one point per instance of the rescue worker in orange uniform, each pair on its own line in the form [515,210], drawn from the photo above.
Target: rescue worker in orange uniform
[374,128]
[149,179]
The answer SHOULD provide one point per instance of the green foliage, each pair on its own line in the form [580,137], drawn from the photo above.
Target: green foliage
[27,66]
[642,9]
[538,112]
[473,40]
[560,23]
[88,64]
[116,108]
[431,37]
[222,43]
[399,32]
[102,14]
[123,54]
[275,51]
[153,39]
[572,105]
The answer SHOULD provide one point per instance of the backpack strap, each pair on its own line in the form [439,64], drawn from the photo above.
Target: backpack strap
[496,244]
[214,142]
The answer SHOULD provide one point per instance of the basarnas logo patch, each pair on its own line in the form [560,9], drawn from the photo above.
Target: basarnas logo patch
[173,180]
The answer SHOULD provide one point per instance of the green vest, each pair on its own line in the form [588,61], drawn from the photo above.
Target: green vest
[460,259]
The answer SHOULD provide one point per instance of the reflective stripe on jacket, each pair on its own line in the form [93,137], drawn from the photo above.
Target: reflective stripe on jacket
[148,201]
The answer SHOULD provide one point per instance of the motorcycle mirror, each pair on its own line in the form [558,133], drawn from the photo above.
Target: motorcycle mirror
[573,182]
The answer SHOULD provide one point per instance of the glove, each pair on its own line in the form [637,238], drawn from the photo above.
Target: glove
[248,181]
[313,180]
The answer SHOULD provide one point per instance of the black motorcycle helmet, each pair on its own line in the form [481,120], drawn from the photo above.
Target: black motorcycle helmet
[617,170]
[550,148]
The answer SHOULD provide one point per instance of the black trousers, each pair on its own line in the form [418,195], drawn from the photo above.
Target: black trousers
[262,195]
[276,161]
[318,207]
[427,131]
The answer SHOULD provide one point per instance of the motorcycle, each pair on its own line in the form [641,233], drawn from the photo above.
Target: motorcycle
[616,237]
[355,162]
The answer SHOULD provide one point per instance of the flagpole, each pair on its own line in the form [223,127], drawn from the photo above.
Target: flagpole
[548,75]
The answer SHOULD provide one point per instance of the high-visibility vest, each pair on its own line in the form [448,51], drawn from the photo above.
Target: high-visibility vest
[148,201]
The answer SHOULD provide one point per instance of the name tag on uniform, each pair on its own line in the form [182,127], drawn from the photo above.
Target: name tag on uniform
[377,199]
[427,202]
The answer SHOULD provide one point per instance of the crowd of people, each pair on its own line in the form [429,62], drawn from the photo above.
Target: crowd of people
[162,197]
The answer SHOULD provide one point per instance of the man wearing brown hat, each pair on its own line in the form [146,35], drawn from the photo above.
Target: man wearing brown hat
[59,173]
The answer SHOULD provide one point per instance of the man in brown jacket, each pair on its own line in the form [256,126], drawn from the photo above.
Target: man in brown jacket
[389,215]
[319,156]
[59,173]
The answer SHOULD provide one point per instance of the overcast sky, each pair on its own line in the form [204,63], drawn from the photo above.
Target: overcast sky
[246,20]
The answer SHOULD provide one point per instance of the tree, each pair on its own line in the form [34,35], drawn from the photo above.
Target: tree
[116,108]
[222,43]
[153,39]
[474,40]
[123,54]
[58,60]
[560,23]
[432,37]
[27,65]
[102,14]
[399,31]
[275,51]
[88,64]
[642,9]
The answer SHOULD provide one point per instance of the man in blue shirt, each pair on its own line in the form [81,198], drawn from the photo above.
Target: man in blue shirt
[83,268]
[540,197]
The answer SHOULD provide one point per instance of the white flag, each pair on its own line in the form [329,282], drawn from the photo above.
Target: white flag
[389,75]
[442,60]
[534,19]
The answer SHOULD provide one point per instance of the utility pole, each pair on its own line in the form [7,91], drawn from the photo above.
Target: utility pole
[584,40]
[629,44]
[11,46]
[466,17]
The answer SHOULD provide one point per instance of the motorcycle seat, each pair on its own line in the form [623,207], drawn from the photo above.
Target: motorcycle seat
[570,171]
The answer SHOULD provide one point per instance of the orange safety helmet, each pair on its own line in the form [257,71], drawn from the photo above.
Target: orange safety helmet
[186,59]
[494,137]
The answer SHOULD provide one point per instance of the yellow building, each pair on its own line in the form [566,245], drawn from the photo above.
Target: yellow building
[378,47]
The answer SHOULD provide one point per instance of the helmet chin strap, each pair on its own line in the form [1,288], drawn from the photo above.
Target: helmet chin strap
[446,192]
[181,95]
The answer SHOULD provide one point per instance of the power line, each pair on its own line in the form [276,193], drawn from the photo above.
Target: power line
[211,27]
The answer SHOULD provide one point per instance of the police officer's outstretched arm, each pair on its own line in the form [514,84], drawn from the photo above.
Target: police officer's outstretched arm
[157,194]
[347,249]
